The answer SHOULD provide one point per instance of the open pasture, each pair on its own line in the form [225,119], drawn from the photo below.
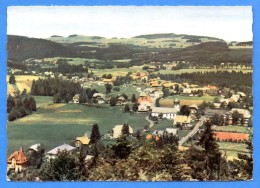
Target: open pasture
[54,124]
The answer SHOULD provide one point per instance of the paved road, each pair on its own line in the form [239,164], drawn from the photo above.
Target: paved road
[150,121]
[194,131]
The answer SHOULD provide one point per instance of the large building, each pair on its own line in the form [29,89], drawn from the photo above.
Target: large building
[17,161]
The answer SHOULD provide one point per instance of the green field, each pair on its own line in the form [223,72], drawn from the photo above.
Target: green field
[187,100]
[55,124]
[117,71]
[240,129]
[201,70]
[232,149]
[129,90]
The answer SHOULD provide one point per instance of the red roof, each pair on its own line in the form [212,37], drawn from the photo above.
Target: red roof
[19,156]
[147,98]
[229,135]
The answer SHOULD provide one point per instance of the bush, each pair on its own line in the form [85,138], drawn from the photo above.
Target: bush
[11,116]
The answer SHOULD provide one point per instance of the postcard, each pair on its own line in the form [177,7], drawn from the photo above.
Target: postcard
[129,93]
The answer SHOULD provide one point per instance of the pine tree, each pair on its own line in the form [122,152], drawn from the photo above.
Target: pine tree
[95,134]
[12,79]
[247,160]
[10,103]
[125,130]
[133,99]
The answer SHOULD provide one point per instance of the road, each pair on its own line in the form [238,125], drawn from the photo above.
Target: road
[193,132]
[150,121]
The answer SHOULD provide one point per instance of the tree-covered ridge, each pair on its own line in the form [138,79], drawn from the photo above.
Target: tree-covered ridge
[207,53]
[232,79]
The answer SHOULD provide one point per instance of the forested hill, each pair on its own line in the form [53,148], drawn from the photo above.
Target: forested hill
[205,53]
[21,48]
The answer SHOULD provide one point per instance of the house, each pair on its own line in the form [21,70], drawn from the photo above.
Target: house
[108,81]
[117,131]
[120,100]
[34,147]
[241,94]
[83,140]
[217,105]
[75,99]
[144,106]
[98,96]
[181,120]
[17,161]
[167,113]
[244,112]
[158,132]
[65,147]
[172,131]
[186,91]
[193,109]
[211,112]
[234,98]
[152,68]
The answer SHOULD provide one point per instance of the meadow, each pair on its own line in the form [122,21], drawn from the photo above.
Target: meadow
[185,100]
[55,124]
[22,82]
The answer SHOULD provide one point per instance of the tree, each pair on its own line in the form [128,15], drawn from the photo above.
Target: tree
[216,119]
[95,134]
[157,102]
[216,100]
[135,107]
[127,108]
[112,101]
[11,116]
[122,148]
[236,116]
[108,88]
[166,92]
[12,79]
[247,160]
[32,103]
[212,153]
[65,167]
[10,103]
[125,130]
[133,99]
[185,110]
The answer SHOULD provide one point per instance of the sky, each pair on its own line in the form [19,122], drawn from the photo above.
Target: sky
[228,23]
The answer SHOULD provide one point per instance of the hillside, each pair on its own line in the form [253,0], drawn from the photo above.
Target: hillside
[93,47]
[21,48]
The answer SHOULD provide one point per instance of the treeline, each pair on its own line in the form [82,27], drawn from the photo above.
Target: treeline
[61,90]
[20,106]
[64,67]
[220,78]
[16,65]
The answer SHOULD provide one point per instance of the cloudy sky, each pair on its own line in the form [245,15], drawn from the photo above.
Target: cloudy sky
[228,23]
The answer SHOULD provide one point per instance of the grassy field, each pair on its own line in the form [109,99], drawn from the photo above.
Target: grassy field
[232,149]
[22,82]
[55,124]
[240,129]
[117,71]
[129,90]
[185,100]
[200,70]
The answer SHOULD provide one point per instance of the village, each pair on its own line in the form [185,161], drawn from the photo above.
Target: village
[181,104]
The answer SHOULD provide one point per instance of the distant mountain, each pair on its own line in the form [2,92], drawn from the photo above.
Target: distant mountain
[182,36]
[21,48]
